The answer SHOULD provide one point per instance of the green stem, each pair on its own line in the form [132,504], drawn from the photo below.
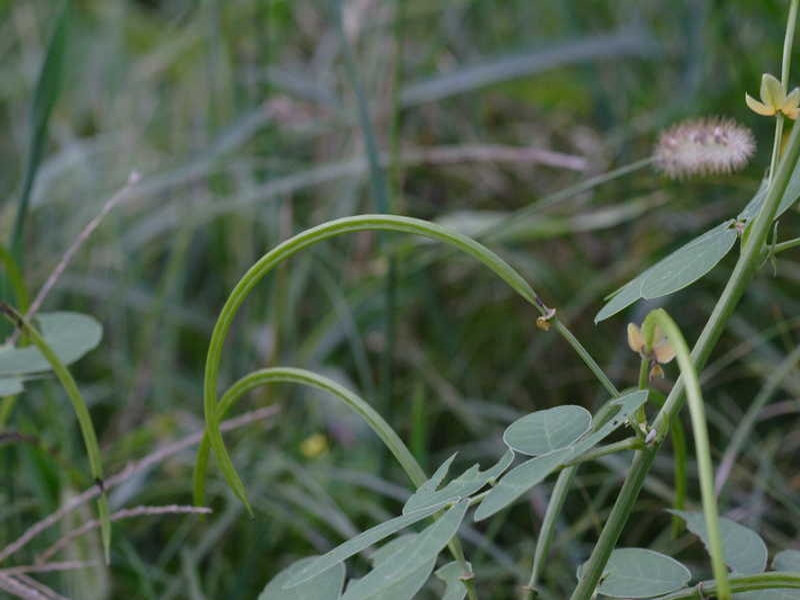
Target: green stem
[741,583]
[313,236]
[584,355]
[81,412]
[381,428]
[705,469]
[554,507]
[644,384]
[288,249]
[734,289]
[678,438]
[787,245]
[600,451]
[317,234]
[644,374]
[263,377]
[7,404]
[776,146]
[786,64]
[579,188]
[548,529]
[788,42]
[378,184]
[15,279]
[381,195]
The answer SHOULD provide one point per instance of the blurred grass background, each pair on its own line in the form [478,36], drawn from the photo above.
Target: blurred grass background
[243,119]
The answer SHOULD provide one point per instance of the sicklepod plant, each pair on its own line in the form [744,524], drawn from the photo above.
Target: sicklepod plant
[559,439]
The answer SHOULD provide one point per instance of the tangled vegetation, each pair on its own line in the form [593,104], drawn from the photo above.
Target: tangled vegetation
[529,268]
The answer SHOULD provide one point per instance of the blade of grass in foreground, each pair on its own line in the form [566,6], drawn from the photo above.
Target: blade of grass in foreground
[48,88]
[81,412]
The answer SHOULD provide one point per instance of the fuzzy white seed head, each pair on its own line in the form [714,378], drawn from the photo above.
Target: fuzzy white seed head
[703,147]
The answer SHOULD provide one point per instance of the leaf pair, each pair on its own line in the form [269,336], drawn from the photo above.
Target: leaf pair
[466,484]
[400,568]
[404,564]
[328,585]
[692,261]
[643,573]
[65,335]
[745,552]
[69,335]
[556,437]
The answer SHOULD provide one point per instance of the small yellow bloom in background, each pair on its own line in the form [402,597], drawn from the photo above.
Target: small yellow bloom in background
[314,446]
[774,100]
[661,353]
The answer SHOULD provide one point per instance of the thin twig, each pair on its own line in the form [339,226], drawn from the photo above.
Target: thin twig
[40,587]
[493,153]
[128,472]
[84,235]
[67,565]
[19,589]
[125,513]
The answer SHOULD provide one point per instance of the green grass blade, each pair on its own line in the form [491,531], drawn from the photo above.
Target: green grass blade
[606,46]
[380,193]
[81,412]
[303,377]
[48,89]
[288,249]
[14,277]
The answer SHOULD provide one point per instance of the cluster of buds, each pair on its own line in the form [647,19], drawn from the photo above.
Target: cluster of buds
[659,352]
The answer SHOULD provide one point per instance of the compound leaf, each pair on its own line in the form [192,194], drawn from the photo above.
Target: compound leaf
[676,271]
[532,472]
[70,335]
[787,560]
[544,431]
[745,552]
[410,559]
[357,544]
[641,573]
[469,482]
[451,574]
[10,386]
[324,586]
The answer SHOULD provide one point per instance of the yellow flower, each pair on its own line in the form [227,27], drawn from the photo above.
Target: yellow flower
[661,352]
[314,446]
[774,99]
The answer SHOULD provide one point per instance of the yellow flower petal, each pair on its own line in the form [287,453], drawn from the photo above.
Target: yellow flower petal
[664,352]
[758,107]
[791,105]
[772,93]
[791,113]
[792,101]
[635,339]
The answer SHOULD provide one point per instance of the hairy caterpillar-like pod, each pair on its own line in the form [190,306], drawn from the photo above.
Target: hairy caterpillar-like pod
[703,147]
